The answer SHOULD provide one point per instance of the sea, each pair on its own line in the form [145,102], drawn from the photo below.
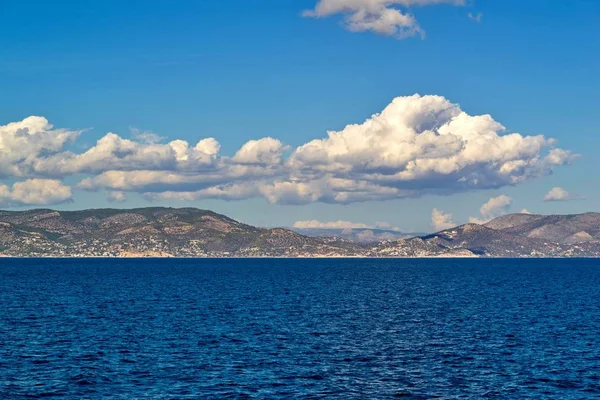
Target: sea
[299,329]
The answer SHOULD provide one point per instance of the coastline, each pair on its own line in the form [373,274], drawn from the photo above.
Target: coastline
[292,258]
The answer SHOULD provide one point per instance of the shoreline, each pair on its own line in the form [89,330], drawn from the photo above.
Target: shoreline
[290,258]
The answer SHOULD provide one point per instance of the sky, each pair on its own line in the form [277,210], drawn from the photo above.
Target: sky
[411,114]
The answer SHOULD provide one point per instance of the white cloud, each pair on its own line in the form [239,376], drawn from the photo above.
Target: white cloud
[23,143]
[238,191]
[385,17]
[152,180]
[441,220]
[34,192]
[496,206]
[293,193]
[115,153]
[425,144]
[327,189]
[560,194]
[417,145]
[116,197]
[493,208]
[314,224]
[524,211]
[560,156]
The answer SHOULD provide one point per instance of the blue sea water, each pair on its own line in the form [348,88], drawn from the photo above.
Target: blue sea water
[174,329]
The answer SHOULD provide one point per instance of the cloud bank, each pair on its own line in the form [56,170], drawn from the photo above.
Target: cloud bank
[384,17]
[417,145]
[315,224]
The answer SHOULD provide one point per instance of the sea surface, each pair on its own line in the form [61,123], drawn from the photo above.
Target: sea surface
[294,329]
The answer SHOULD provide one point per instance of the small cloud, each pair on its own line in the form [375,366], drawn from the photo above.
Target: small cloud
[441,220]
[496,206]
[524,211]
[560,194]
[476,17]
[493,208]
[560,156]
[116,197]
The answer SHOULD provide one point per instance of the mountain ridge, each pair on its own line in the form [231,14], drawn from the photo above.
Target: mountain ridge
[193,232]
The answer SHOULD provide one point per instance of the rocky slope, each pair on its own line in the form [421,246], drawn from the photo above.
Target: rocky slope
[189,232]
[186,232]
[516,235]
[567,229]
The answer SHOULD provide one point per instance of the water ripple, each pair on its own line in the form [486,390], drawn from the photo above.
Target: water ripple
[414,329]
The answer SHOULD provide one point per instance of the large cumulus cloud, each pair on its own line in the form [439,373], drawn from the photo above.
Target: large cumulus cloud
[24,143]
[426,144]
[417,145]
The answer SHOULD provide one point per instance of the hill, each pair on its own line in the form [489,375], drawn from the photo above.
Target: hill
[190,232]
[155,231]
[568,229]
[516,235]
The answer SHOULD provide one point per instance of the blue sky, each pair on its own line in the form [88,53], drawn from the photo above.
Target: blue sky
[240,70]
